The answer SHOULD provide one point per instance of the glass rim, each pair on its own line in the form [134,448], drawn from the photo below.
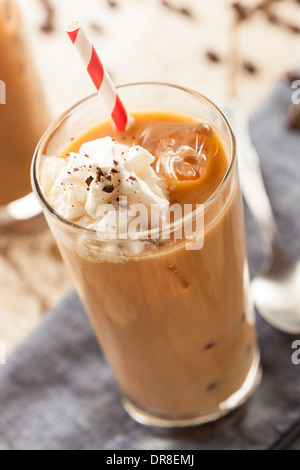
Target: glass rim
[62,117]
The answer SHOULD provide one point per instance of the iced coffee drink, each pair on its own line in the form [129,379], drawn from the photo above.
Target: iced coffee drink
[174,320]
[24,114]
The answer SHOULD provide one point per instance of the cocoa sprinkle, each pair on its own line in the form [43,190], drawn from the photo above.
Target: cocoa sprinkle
[99,174]
[167,4]
[89,181]
[249,67]
[293,28]
[213,57]
[132,178]
[108,189]
[96,28]
[242,13]
[186,12]
[48,25]
[112,4]
[181,10]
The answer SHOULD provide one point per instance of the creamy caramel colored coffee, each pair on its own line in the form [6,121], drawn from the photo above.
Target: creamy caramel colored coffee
[175,325]
[25,116]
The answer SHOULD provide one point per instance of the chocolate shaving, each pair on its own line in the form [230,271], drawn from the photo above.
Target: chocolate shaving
[167,4]
[99,174]
[293,28]
[242,12]
[75,170]
[272,18]
[48,25]
[186,12]
[181,10]
[108,177]
[96,28]
[114,171]
[108,189]
[249,67]
[89,181]
[112,3]
[132,178]
[115,162]
[213,57]
[263,5]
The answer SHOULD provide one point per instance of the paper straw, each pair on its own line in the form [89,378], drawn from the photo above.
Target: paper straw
[98,74]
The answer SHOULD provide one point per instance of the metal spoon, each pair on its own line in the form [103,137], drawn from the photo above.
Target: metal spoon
[276,290]
[21,215]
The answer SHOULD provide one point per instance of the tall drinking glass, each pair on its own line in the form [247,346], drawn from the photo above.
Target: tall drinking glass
[24,116]
[176,325]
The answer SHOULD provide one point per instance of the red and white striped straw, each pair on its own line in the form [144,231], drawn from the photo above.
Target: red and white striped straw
[98,74]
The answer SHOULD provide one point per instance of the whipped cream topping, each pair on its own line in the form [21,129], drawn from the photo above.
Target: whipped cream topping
[104,177]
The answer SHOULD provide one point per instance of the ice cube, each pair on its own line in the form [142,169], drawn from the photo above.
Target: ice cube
[181,150]
[184,164]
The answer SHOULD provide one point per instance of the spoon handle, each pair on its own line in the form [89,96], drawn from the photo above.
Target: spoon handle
[252,182]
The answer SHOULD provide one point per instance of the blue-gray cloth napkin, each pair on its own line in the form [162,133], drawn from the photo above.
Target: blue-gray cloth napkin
[56,391]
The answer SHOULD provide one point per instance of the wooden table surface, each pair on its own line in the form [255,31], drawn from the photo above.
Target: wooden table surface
[137,40]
